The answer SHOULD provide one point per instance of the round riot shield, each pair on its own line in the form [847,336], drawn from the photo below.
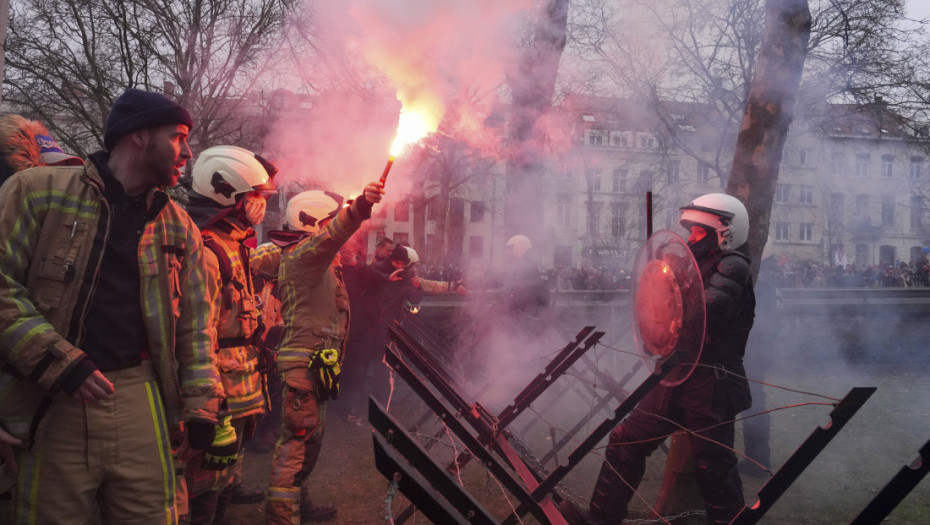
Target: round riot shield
[668,305]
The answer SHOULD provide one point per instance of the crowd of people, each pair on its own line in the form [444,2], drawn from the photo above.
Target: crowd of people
[144,344]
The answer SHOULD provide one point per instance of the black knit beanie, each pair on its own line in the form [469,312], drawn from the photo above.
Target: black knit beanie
[136,109]
[400,254]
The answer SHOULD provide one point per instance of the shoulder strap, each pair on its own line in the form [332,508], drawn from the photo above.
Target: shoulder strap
[221,257]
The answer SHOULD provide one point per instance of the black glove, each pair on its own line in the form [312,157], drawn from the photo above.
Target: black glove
[224,449]
[199,434]
[326,364]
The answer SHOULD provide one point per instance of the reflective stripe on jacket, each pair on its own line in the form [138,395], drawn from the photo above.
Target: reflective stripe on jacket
[237,317]
[54,222]
[314,301]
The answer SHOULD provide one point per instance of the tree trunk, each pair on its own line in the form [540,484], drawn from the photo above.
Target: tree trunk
[532,86]
[759,149]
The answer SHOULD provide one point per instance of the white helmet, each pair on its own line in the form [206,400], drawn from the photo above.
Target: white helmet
[222,172]
[722,213]
[519,245]
[306,209]
[412,255]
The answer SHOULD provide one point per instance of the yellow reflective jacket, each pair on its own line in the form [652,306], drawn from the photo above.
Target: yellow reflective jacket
[54,222]
[237,314]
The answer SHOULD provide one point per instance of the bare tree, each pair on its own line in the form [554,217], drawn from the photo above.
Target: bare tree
[67,60]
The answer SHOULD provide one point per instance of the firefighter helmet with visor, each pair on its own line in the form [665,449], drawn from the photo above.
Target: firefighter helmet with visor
[306,210]
[720,213]
[223,172]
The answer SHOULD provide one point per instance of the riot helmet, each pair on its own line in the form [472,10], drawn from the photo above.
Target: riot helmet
[720,214]
[518,245]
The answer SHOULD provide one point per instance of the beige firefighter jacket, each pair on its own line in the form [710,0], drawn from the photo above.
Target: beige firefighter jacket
[54,222]
[314,302]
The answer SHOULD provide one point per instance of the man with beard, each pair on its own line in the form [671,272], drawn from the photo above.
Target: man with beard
[105,334]
[706,403]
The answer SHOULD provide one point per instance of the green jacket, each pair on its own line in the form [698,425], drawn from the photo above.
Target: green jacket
[54,222]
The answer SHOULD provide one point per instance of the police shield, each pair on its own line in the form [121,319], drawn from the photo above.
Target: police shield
[668,305]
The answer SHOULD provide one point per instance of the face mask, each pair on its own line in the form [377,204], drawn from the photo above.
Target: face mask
[253,207]
[704,246]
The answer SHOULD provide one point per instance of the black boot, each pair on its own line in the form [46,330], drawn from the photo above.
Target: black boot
[310,512]
[721,489]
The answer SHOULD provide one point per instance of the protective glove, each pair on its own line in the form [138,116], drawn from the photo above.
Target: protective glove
[224,449]
[199,434]
[326,364]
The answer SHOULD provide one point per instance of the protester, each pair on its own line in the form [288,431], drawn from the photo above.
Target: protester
[383,249]
[27,143]
[315,308]
[706,403]
[105,330]
[228,191]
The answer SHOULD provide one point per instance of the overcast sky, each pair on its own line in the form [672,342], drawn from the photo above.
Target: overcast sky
[918,8]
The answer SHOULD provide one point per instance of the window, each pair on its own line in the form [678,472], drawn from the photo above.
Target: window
[863,202]
[595,137]
[619,138]
[594,178]
[619,181]
[616,222]
[887,166]
[781,192]
[674,171]
[804,156]
[402,211]
[805,232]
[781,231]
[401,238]
[477,211]
[644,182]
[703,172]
[432,211]
[862,255]
[475,247]
[836,163]
[862,164]
[563,210]
[917,211]
[647,141]
[917,167]
[888,211]
[561,256]
[807,194]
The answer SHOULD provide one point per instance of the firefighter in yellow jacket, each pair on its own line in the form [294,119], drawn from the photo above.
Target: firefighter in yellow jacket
[105,334]
[228,191]
[315,308]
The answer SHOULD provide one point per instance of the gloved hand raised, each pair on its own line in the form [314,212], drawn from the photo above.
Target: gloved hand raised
[224,449]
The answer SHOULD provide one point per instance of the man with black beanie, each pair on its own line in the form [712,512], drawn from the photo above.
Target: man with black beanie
[105,334]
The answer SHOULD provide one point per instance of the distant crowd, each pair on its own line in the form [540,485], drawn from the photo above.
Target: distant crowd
[802,274]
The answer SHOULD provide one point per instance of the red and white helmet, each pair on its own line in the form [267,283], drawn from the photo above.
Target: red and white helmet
[222,172]
[307,209]
[722,213]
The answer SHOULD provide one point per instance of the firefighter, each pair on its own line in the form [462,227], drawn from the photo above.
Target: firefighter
[228,191]
[315,308]
[105,335]
[707,402]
